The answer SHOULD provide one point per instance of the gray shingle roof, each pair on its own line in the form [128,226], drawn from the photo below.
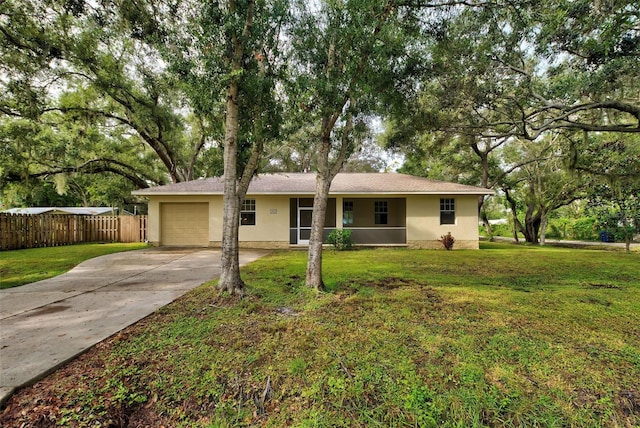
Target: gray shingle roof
[305,183]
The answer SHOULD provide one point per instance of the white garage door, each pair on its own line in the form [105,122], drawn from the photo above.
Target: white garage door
[184,224]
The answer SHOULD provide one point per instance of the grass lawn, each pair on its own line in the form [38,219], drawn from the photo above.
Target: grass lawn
[506,336]
[18,267]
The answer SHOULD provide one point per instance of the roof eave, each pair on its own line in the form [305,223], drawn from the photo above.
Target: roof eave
[138,193]
[439,192]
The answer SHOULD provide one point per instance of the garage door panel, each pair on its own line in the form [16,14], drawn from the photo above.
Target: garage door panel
[184,224]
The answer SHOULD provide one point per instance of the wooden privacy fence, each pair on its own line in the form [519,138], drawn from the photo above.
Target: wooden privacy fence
[49,230]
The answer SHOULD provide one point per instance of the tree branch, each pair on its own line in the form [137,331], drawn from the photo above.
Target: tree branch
[158,146]
[94,166]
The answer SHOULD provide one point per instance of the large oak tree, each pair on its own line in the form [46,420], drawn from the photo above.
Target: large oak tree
[230,58]
[349,59]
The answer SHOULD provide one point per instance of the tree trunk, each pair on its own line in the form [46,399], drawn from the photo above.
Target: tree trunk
[514,211]
[484,161]
[628,234]
[532,226]
[543,228]
[323,183]
[230,280]
[327,170]
[314,261]
[234,189]
[485,219]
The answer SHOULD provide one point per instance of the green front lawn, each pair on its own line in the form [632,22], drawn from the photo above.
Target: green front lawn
[506,336]
[18,267]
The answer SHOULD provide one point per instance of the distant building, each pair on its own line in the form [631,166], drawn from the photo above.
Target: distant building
[64,210]
[496,221]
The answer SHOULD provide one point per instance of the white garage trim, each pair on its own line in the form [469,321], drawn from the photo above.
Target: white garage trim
[185,224]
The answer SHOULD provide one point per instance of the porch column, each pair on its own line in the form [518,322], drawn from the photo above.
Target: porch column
[339,206]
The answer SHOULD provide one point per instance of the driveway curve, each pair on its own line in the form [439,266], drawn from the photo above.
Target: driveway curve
[47,323]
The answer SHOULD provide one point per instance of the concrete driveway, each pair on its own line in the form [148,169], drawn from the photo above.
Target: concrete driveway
[47,323]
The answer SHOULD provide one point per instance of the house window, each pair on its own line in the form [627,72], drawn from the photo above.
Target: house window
[248,212]
[447,211]
[347,213]
[381,212]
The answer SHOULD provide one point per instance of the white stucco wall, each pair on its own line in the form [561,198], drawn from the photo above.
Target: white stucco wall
[272,219]
[423,218]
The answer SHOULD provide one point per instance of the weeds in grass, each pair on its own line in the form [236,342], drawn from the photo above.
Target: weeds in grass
[404,338]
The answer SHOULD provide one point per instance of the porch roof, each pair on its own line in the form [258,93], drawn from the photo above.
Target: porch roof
[305,184]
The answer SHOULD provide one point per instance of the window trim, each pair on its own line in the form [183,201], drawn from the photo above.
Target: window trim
[380,212]
[447,211]
[248,207]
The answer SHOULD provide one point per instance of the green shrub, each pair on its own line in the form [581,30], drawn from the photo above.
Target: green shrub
[558,227]
[584,229]
[502,229]
[554,232]
[340,239]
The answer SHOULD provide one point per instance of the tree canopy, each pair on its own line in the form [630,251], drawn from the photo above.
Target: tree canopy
[550,71]
[86,88]
[99,98]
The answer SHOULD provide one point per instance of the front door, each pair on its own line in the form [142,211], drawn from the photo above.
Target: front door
[304,224]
